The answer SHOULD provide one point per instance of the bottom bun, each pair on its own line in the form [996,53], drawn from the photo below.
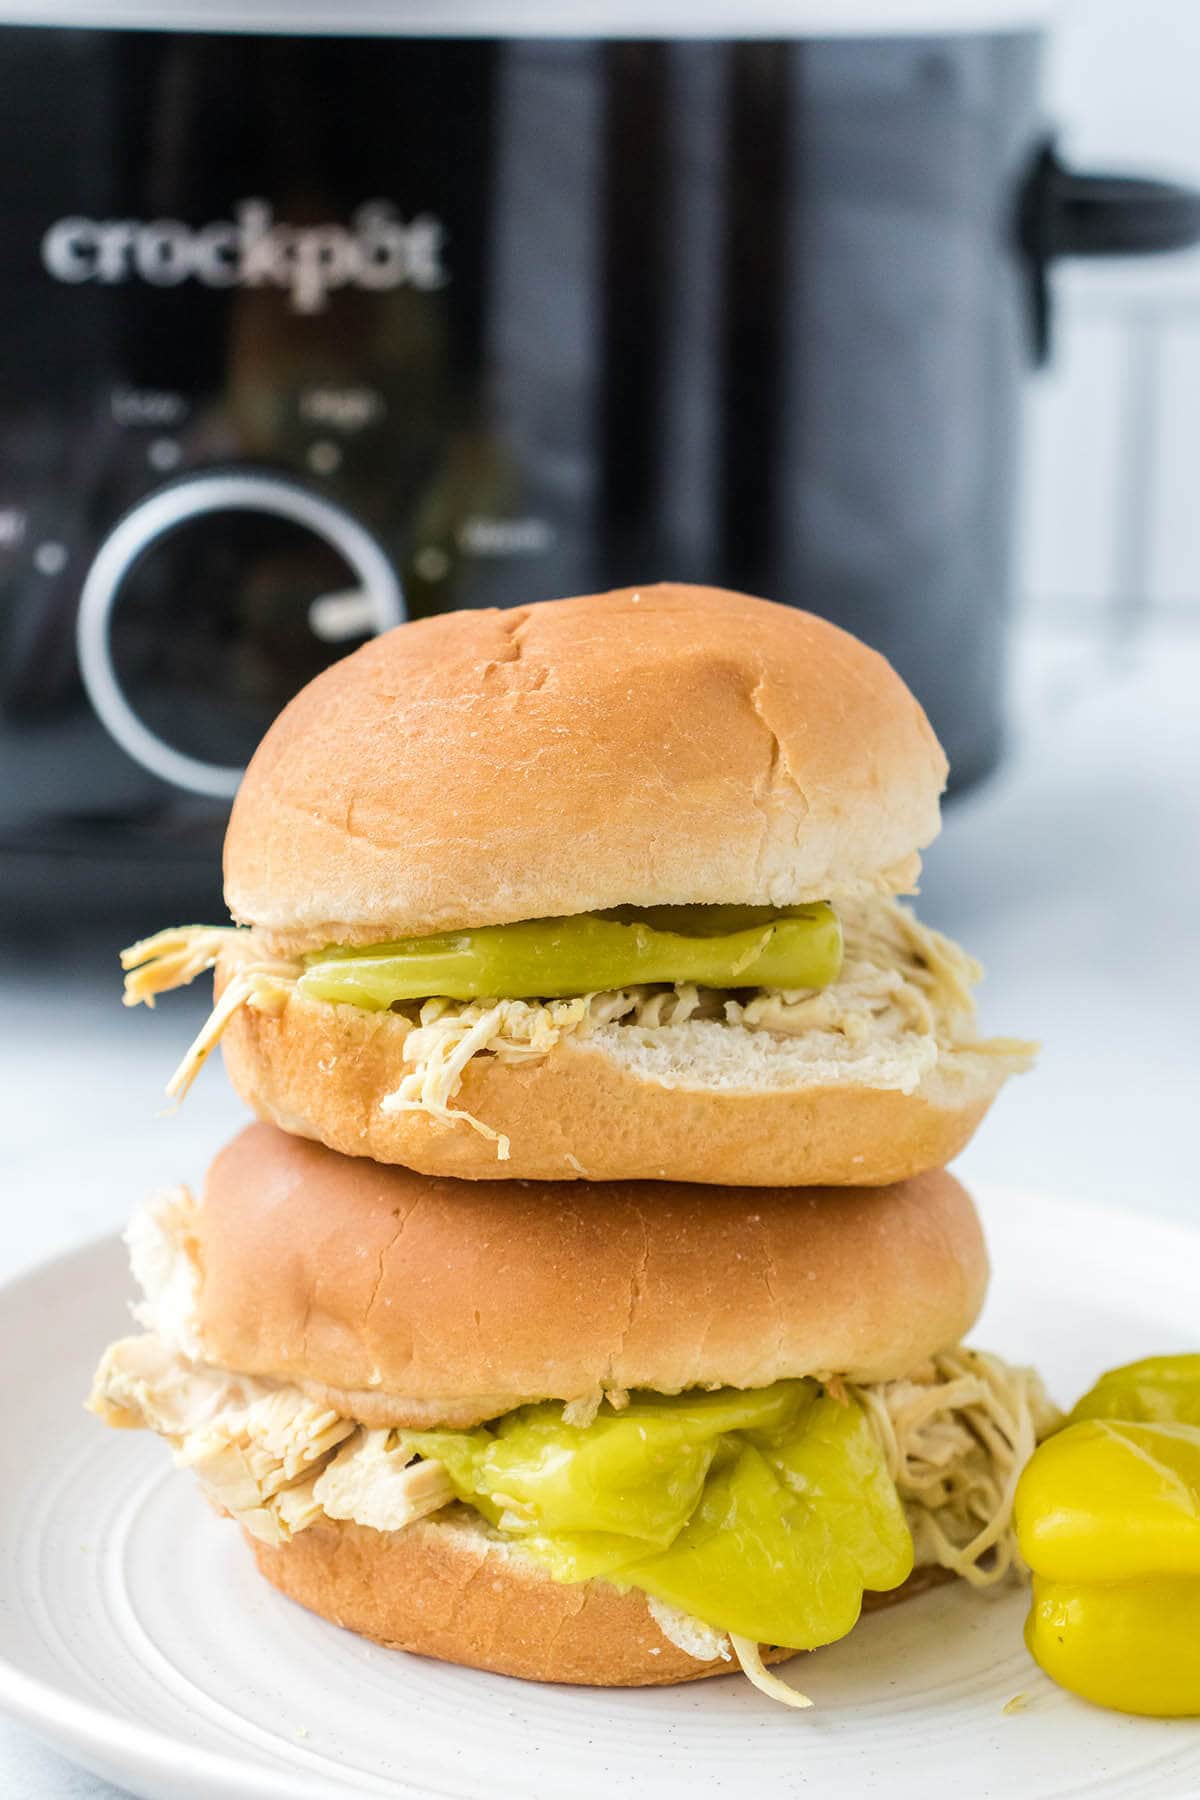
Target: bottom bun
[444,1588]
[610,1107]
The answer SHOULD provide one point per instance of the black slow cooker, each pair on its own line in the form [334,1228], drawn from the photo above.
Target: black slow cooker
[301,335]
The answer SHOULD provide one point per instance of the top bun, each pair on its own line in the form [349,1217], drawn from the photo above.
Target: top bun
[401,1299]
[650,746]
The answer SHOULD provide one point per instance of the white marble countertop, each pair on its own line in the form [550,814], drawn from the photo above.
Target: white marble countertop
[1074,874]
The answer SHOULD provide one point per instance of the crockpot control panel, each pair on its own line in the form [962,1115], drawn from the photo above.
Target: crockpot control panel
[249,298]
[208,602]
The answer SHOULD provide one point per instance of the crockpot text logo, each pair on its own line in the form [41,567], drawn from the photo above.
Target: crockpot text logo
[377,250]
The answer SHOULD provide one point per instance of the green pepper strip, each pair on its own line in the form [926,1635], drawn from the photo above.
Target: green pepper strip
[721,947]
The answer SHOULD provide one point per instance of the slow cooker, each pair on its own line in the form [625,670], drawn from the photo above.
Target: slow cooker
[304,334]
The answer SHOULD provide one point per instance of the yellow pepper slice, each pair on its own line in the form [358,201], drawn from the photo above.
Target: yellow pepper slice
[787,1535]
[547,959]
[1130,1645]
[1107,1515]
[763,1512]
[1107,1501]
[1162,1388]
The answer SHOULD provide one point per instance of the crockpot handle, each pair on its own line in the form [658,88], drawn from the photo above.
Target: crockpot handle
[1065,213]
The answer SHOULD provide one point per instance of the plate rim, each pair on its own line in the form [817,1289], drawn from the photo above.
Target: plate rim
[60,1719]
[67,1723]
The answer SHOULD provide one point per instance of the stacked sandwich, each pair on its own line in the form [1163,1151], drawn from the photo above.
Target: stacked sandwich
[587,1303]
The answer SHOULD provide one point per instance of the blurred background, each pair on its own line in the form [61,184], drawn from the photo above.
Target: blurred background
[302,336]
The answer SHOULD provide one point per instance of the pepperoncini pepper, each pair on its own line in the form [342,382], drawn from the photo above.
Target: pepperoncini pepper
[1108,1519]
[765,1512]
[714,946]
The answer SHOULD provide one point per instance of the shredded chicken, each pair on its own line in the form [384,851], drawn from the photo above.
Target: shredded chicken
[450,1033]
[263,1452]
[164,1254]
[582,1411]
[704,1644]
[696,1639]
[170,959]
[372,1482]
[755,1670]
[956,1435]
[173,958]
[897,976]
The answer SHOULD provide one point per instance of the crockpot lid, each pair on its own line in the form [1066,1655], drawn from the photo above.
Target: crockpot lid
[545,18]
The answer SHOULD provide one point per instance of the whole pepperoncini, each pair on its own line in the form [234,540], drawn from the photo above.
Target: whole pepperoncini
[1108,1518]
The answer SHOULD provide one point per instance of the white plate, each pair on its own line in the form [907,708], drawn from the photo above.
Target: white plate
[136,1635]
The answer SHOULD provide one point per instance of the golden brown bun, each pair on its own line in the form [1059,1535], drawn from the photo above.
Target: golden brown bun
[653,745]
[403,1299]
[446,1590]
[321,1071]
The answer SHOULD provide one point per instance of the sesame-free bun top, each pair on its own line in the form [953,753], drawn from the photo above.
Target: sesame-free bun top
[404,1299]
[655,745]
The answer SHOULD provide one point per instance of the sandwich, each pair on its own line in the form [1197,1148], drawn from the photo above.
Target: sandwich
[602,888]
[627,1435]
